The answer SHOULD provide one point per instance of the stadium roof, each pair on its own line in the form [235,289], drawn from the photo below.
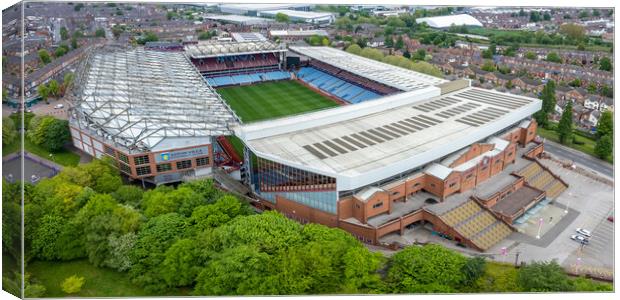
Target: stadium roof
[220,48]
[368,142]
[447,21]
[247,7]
[236,19]
[148,100]
[387,74]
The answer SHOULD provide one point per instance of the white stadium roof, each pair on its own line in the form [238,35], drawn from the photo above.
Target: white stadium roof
[387,74]
[219,48]
[148,100]
[310,32]
[368,142]
[447,21]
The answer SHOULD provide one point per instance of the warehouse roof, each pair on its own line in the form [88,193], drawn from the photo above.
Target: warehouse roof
[447,21]
[297,13]
[363,148]
[143,99]
[387,74]
[236,19]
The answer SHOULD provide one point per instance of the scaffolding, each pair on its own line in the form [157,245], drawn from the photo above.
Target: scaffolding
[135,99]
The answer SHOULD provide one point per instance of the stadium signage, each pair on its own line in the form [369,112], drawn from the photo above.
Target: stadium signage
[181,154]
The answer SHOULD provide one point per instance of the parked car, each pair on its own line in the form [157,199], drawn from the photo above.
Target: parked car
[580,238]
[59,106]
[584,232]
[610,219]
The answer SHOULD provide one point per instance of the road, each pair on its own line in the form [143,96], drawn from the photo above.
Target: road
[580,158]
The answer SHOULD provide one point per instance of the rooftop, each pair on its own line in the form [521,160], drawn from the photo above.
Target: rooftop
[297,13]
[148,100]
[239,19]
[310,32]
[517,200]
[387,74]
[364,143]
[447,21]
[219,48]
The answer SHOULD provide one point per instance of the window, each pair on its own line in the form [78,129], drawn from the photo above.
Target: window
[395,193]
[141,160]
[124,168]
[377,205]
[164,167]
[108,150]
[184,164]
[417,184]
[123,157]
[202,161]
[432,185]
[510,153]
[469,176]
[144,170]
[452,184]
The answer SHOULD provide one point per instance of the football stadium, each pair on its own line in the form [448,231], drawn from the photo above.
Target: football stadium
[322,136]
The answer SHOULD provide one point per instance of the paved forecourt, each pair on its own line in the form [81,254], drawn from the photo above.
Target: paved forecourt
[273,99]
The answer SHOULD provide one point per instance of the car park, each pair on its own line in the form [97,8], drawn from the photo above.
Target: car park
[584,232]
[580,239]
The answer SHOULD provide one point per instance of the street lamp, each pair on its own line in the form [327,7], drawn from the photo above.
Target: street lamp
[570,195]
[540,223]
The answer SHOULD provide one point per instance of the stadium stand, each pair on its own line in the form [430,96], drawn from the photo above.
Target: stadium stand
[476,224]
[214,66]
[249,77]
[335,86]
[542,179]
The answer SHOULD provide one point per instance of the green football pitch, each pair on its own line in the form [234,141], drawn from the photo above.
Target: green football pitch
[272,100]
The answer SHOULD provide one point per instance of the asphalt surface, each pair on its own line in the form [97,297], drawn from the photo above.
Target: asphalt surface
[580,158]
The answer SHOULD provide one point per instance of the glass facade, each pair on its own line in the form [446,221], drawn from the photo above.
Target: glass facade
[270,178]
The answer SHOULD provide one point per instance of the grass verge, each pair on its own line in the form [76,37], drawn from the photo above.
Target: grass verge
[587,147]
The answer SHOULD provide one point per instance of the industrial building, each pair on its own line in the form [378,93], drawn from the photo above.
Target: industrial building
[312,17]
[253,9]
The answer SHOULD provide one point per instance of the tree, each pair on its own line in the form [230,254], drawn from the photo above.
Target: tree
[100,32]
[44,56]
[354,49]
[604,147]
[67,80]
[205,35]
[54,88]
[544,277]
[420,54]
[180,266]
[9,132]
[147,37]
[43,91]
[148,253]
[64,34]
[473,269]
[488,66]
[605,64]
[325,41]
[72,284]
[553,57]
[565,127]
[128,194]
[117,30]
[530,55]
[282,18]
[49,132]
[74,43]
[487,54]
[221,212]
[573,31]
[388,42]
[60,51]
[399,43]
[605,125]
[548,106]
[431,268]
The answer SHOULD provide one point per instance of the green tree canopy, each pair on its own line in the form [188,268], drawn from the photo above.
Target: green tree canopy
[553,57]
[544,277]
[605,125]
[49,132]
[431,268]
[282,18]
[604,147]
[9,132]
[64,33]
[605,64]
[565,127]
[44,56]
